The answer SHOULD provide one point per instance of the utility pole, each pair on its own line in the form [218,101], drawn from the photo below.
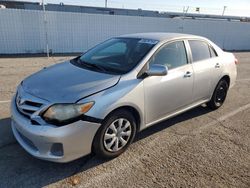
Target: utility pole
[106,3]
[45,29]
[224,9]
[185,10]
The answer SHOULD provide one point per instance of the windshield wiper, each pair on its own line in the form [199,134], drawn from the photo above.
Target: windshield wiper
[91,65]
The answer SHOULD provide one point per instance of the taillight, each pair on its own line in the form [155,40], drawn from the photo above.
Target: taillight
[236,61]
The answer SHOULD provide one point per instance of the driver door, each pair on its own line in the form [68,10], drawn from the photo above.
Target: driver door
[167,94]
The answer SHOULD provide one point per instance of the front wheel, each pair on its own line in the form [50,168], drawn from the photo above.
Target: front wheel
[219,95]
[115,135]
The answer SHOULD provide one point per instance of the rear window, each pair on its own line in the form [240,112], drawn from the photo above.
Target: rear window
[200,50]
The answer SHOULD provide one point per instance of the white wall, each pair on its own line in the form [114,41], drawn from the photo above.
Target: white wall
[22,31]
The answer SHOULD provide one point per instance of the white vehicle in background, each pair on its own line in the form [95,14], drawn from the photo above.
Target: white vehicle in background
[97,102]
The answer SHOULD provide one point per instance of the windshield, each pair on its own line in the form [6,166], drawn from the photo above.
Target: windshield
[117,55]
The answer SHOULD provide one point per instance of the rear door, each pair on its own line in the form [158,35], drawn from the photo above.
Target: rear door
[207,69]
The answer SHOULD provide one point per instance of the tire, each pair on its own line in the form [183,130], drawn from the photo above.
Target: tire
[219,95]
[115,135]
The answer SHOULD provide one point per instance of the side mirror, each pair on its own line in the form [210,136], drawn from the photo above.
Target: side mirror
[157,70]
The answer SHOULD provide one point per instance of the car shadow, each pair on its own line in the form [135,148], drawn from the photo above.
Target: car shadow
[6,136]
[19,169]
[198,111]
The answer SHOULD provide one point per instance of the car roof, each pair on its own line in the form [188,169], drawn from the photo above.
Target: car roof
[160,36]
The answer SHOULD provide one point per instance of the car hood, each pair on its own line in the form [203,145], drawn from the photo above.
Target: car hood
[67,83]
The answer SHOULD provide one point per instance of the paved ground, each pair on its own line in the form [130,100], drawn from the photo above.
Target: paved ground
[200,148]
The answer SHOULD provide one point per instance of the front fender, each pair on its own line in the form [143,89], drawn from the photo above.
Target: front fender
[125,93]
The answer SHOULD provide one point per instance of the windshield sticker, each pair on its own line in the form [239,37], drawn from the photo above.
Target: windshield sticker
[148,41]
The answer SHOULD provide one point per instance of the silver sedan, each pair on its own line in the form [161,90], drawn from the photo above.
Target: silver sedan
[97,102]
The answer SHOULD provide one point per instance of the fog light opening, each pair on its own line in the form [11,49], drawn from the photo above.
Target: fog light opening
[57,149]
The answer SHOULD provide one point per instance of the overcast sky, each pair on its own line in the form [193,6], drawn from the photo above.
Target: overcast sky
[233,7]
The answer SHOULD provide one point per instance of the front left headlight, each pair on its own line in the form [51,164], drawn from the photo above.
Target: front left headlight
[65,113]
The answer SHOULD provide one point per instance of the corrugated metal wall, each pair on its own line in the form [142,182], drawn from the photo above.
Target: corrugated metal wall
[23,31]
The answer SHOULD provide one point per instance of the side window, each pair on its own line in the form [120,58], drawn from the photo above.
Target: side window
[200,50]
[212,52]
[171,55]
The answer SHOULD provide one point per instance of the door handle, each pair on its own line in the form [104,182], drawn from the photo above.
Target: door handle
[217,65]
[188,74]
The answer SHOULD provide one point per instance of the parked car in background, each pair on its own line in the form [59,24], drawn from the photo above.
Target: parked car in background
[97,102]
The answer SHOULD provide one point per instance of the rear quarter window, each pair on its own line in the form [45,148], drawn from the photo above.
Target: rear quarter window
[213,52]
[200,50]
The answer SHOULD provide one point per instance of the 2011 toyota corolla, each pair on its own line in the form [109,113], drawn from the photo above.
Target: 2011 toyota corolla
[97,102]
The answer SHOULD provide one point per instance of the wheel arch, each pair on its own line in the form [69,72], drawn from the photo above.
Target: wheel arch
[227,78]
[130,109]
[224,77]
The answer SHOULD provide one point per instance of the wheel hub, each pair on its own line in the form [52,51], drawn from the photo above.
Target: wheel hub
[117,135]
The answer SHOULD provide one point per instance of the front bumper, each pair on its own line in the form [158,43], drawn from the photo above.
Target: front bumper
[47,142]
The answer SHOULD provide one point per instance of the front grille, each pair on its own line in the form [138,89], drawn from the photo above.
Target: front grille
[26,106]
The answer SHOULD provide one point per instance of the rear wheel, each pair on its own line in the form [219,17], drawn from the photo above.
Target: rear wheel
[219,95]
[116,134]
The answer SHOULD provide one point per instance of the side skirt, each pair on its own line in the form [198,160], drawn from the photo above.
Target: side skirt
[175,113]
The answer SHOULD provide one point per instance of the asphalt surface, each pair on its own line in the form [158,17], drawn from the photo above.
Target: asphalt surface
[200,148]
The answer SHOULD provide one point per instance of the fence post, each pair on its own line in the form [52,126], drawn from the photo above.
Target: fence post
[46,29]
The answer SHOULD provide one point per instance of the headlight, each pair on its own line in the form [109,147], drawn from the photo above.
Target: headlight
[65,113]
